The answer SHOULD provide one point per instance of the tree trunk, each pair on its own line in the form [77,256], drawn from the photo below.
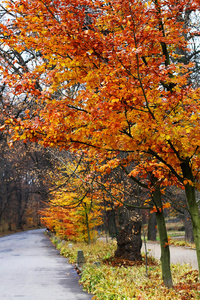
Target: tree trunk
[193,207]
[111,222]
[151,236]
[165,253]
[88,229]
[189,237]
[19,209]
[129,240]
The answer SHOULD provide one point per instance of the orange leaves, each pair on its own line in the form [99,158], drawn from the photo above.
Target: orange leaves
[166,205]
[106,82]
[154,209]
[2,127]
[159,209]
[75,209]
[187,181]
[70,220]
[110,165]
[166,244]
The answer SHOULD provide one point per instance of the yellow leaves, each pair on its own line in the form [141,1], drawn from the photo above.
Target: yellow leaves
[74,208]
[194,117]
[129,23]
[114,100]
[123,103]
[91,51]
[63,64]
[112,164]
[148,4]
[188,130]
[188,181]
[35,19]
[9,121]
[20,8]
[17,128]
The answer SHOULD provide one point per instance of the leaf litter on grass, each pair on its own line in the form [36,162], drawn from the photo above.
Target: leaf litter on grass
[120,279]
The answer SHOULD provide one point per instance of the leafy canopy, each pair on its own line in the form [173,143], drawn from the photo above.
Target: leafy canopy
[133,94]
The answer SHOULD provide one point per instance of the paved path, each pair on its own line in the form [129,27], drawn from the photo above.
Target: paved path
[32,269]
[177,254]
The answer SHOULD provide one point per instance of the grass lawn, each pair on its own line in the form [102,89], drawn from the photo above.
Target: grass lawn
[125,280]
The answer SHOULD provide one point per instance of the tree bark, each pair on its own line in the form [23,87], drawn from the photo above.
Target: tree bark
[189,237]
[165,252]
[111,223]
[129,240]
[151,236]
[88,229]
[193,207]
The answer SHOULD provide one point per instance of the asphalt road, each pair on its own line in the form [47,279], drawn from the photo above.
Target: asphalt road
[32,269]
[179,255]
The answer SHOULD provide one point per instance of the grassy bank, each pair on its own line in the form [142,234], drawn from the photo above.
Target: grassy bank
[124,280]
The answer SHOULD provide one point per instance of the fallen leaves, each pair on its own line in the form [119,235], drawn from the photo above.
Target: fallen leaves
[122,279]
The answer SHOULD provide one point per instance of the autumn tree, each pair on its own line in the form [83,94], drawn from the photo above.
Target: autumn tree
[76,208]
[134,94]
[125,201]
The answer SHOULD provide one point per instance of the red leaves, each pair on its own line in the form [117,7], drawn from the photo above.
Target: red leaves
[2,127]
[111,81]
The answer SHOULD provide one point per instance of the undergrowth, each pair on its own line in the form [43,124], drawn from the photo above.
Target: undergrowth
[117,279]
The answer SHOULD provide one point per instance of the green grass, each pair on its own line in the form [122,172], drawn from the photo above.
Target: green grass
[174,233]
[119,281]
